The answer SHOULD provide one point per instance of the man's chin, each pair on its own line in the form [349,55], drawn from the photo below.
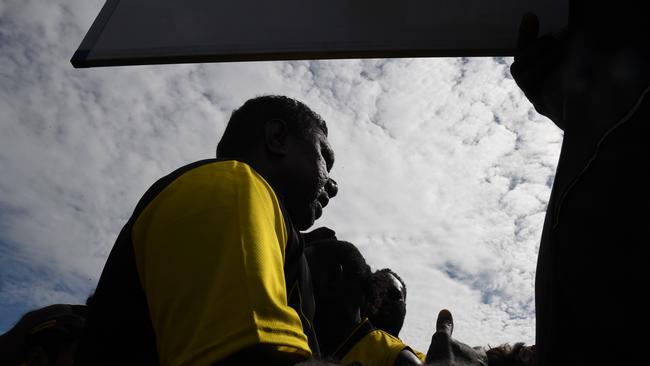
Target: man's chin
[307,220]
[304,224]
[318,212]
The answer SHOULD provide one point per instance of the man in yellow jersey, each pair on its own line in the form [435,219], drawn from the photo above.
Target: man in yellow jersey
[210,267]
[385,303]
[385,307]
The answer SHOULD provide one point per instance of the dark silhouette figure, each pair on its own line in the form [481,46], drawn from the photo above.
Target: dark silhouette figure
[594,83]
[321,233]
[340,275]
[48,336]
[447,351]
[511,355]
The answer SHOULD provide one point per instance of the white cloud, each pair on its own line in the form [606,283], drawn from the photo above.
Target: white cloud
[444,168]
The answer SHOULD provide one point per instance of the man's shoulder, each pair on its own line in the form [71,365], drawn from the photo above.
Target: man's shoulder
[218,173]
[376,347]
[202,176]
[394,347]
[213,167]
[386,338]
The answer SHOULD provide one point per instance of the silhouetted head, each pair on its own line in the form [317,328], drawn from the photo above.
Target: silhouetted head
[339,275]
[385,303]
[90,299]
[511,355]
[46,336]
[286,142]
[318,234]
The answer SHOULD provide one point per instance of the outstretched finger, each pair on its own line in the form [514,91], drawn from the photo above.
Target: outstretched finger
[440,348]
[445,322]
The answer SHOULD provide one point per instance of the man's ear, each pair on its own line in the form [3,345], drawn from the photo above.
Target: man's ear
[276,136]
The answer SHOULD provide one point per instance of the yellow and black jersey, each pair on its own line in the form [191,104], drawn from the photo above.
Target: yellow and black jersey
[420,355]
[368,346]
[208,265]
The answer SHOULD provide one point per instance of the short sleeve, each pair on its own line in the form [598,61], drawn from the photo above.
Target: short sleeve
[420,355]
[210,256]
[376,348]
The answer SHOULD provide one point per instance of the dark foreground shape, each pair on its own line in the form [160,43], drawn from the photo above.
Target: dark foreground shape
[594,83]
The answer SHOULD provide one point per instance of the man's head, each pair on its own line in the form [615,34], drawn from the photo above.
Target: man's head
[385,303]
[286,142]
[46,336]
[511,355]
[339,274]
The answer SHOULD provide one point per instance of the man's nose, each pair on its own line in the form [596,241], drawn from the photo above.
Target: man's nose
[331,187]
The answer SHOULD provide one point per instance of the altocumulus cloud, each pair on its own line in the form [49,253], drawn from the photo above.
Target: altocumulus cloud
[445,169]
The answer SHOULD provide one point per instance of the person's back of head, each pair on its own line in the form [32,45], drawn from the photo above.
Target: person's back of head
[340,273]
[245,127]
[385,303]
[46,336]
[511,355]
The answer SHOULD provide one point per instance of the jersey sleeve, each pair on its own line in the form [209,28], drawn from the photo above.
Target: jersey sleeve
[376,348]
[420,355]
[210,256]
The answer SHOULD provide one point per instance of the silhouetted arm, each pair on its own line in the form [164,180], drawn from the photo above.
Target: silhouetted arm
[446,351]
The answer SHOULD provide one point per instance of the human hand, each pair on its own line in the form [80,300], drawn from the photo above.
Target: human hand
[446,351]
[539,69]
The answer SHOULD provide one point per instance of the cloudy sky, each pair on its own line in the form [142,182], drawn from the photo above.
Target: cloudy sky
[444,167]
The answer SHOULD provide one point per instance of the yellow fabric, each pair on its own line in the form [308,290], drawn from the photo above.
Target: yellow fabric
[43,326]
[377,348]
[210,253]
[420,355]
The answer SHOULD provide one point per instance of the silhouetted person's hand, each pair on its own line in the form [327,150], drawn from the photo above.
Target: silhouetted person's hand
[538,68]
[446,351]
[576,77]
[440,348]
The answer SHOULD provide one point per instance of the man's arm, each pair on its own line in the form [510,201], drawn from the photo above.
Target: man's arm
[210,255]
[407,358]
[446,351]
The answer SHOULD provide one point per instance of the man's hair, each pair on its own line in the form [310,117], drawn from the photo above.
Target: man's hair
[245,125]
[384,273]
[336,254]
